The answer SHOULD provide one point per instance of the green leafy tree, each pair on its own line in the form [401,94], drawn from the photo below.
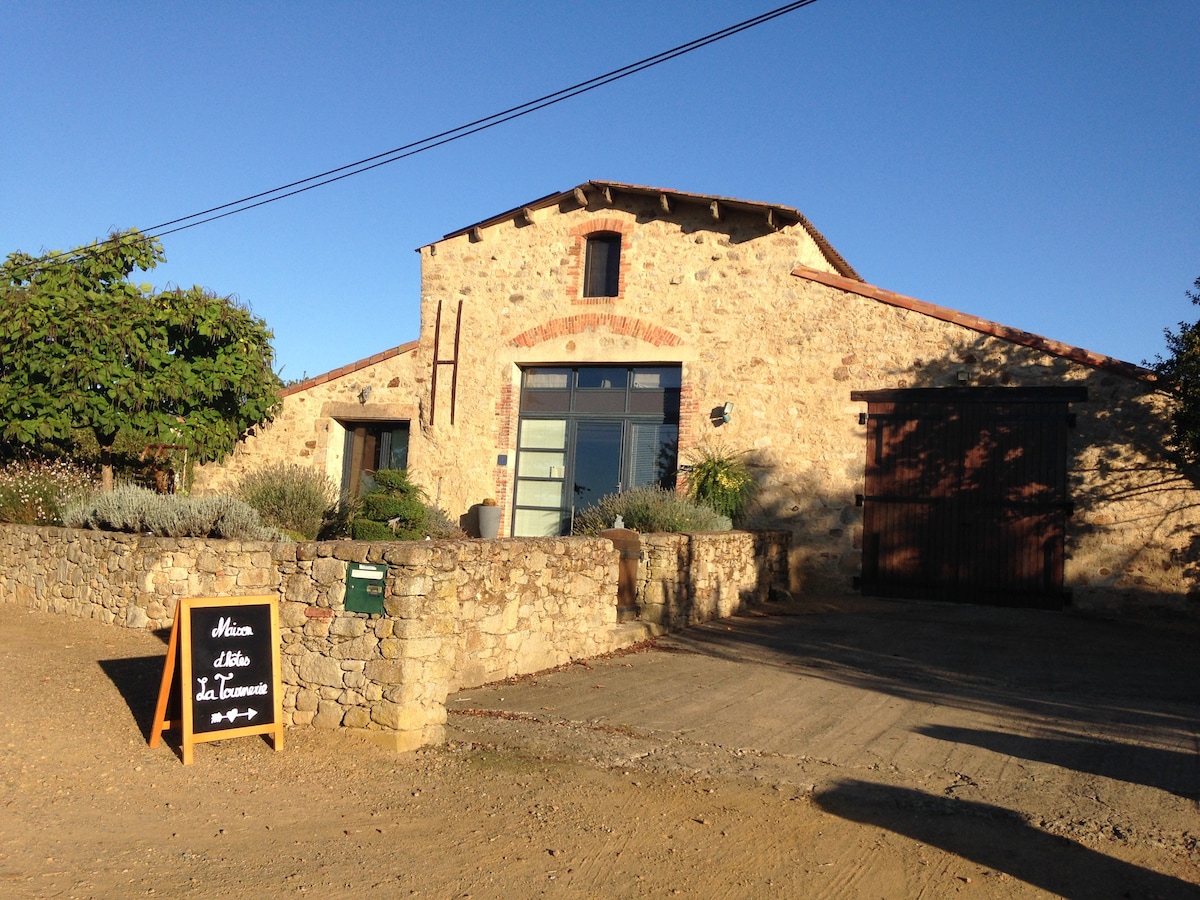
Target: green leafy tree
[1179,375]
[81,347]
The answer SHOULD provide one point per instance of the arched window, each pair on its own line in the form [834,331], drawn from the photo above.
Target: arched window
[602,265]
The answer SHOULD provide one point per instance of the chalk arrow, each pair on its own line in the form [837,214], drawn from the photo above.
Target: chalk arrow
[233,714]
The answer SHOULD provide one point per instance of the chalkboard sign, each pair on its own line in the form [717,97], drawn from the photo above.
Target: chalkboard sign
[226,650]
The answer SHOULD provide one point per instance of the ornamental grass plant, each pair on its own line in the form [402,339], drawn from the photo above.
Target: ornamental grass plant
[720,479]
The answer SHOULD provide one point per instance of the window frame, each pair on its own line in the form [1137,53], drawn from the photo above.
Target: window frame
[605,283]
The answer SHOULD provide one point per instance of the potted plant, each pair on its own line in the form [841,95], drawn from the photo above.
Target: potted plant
[489,519]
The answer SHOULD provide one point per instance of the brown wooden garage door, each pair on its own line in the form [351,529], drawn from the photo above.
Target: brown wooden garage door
[966,494]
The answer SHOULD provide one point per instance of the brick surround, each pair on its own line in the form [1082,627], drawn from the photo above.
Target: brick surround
[576,254]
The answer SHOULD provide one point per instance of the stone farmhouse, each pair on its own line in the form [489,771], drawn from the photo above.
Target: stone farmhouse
[592,339]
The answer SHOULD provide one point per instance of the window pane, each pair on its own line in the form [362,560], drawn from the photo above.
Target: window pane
[600,401]
[602,266]
[546,401]
[664,377]
[661,403]
[397,449]
[550,434]
[603,377]
[541,464]
[653,455]
[548,378]
[537,523]
[539,493]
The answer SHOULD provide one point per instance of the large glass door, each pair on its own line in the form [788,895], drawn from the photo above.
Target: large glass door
[597,462]
[587,432]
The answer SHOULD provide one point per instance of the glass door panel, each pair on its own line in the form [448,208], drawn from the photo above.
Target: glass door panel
[539,493]
[538,502]
[541,464]
[597,462]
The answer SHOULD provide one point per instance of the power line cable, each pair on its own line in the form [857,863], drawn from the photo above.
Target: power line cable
[454,134]
[445,137]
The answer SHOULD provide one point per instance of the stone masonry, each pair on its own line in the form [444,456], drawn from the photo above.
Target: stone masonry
[457,613]
[308,430]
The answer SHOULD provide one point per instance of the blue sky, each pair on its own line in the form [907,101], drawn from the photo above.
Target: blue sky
[1029,162]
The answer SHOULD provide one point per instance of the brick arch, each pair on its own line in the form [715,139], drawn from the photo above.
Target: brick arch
[575,255]
[623,325]
[594,226]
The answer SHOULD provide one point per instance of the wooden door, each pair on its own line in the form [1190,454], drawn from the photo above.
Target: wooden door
[966,494]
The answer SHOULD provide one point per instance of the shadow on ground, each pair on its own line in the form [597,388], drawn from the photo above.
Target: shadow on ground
[1174,771]
[999,839]
[1124,696]
[138,679]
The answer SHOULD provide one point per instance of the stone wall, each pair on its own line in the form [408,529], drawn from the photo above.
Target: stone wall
[685,579]
[457,613]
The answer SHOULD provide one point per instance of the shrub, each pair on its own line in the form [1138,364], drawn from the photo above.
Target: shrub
[370,530]
[34,492]
[136,510]
[384,507]
[395,510]
[290,497]
[649,509]
[396,483]
[721,480]
[341,515]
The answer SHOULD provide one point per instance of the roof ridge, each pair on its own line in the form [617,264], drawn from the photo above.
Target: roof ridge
[835,258]
[983,326]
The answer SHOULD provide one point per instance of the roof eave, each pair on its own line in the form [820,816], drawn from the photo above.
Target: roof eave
[772,212]
[983,326]
[348,369]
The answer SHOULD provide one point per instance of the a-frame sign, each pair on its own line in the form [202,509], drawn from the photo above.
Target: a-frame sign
[226,651]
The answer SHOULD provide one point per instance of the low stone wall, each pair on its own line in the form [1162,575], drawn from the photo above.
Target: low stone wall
[686,579]
[457,613]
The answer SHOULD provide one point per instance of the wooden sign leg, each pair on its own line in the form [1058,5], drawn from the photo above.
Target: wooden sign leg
[160,723]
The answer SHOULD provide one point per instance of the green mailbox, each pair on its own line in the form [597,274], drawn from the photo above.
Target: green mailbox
[365,585]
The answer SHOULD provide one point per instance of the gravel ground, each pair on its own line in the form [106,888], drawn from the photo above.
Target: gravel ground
[858,750]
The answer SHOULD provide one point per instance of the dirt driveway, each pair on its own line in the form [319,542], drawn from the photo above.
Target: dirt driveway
[852,749]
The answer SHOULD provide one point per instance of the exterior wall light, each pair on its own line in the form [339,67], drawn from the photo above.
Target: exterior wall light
[727,412]
[365,394]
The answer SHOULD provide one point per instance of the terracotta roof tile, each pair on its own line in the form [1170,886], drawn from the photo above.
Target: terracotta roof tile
[348,369]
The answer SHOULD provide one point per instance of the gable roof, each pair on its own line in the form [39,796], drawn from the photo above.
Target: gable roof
[349,368]
[774,214]
[983,326]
